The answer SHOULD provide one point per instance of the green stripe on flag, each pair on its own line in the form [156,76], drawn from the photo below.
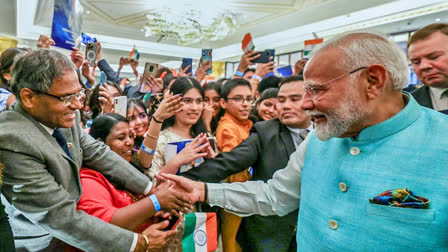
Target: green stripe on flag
[188,237]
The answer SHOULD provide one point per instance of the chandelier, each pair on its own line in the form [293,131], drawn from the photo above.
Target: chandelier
[190,26]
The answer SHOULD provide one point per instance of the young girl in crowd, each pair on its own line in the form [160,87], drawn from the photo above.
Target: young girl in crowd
[265,106]
[212,94]
[186,124]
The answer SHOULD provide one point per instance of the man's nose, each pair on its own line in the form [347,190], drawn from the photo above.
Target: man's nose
[307,102]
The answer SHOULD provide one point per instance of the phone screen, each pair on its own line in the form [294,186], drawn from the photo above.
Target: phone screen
[187,62]
[207,59]
[174,221]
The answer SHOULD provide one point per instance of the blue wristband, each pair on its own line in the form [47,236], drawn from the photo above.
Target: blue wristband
[147,150]
[155,202]
[238,73]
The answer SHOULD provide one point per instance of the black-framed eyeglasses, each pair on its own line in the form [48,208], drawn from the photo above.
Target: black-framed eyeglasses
[312,88]
[239,99]
[66,100]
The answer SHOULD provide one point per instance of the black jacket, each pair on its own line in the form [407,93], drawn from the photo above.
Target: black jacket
[267,150]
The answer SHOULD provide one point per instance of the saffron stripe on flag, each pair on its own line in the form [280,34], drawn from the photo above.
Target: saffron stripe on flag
[212,231]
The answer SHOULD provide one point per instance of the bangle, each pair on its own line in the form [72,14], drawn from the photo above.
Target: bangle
[238,73]
[147,150]
[257,77]
[205,193]
[155,120]
[155,202]
[146,240]
[151,136]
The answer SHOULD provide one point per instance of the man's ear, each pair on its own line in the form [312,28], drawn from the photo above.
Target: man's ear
[28,98]
[376,80]
[223,103]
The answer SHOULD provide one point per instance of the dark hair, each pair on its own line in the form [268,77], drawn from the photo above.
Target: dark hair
[217,87]
[249,70]
[291,78]
[268,93]
[101,127]
[161,70]
[167,80]
[181,86]
[103,124]
[6,61]
[231,84]
[212,85]
[94,103]
[134,102]
[427,31]
[222,81]
[269,82]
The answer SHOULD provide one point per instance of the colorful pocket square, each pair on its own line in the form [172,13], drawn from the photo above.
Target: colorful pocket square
[401,198]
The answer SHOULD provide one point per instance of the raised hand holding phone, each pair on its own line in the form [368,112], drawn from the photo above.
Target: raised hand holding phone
[76,57]
[169,106]
[207,60]
[247,60]
[88,73]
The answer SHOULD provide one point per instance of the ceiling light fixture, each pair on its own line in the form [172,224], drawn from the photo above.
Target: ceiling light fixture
[189,26]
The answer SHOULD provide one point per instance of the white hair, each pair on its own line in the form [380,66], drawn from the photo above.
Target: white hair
[365,48]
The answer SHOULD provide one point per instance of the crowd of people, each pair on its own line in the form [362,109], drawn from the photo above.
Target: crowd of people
[336,156]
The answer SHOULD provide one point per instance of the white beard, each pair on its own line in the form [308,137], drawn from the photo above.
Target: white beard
[339,119]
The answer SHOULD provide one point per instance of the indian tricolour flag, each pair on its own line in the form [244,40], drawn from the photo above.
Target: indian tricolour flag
[134,54]
[310,44]
[200,233]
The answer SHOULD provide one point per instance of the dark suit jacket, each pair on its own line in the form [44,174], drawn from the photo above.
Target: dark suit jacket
[41,184]
[266,150]
[422,96]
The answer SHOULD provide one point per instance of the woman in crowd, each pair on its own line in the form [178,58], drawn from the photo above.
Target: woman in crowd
[102,97]
[138,120]
[105,197]
[6,62]
[265,106]
[212,95]
[184,125]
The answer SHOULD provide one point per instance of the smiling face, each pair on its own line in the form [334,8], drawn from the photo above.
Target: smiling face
[266,109]
[138,120]
[288,105]
[192,108]
[212,99]
[338,108]
[429,59]
[120,140]
[238,109]
[49,110]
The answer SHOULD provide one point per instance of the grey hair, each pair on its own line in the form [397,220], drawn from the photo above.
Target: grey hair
[365,48]
[38,69]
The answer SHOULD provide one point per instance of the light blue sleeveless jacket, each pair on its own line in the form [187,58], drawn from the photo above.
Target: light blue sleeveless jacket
[409,150]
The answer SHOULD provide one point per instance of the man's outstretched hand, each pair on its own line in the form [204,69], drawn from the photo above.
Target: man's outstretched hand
[192,189]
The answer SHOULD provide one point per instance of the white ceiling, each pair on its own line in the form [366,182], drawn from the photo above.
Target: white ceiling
[281,24]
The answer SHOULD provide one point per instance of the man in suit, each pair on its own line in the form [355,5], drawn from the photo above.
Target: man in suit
[373,172]
[267,150]
[42,148]
[428,53]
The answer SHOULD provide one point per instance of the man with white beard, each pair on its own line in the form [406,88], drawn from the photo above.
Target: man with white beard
[372,176]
